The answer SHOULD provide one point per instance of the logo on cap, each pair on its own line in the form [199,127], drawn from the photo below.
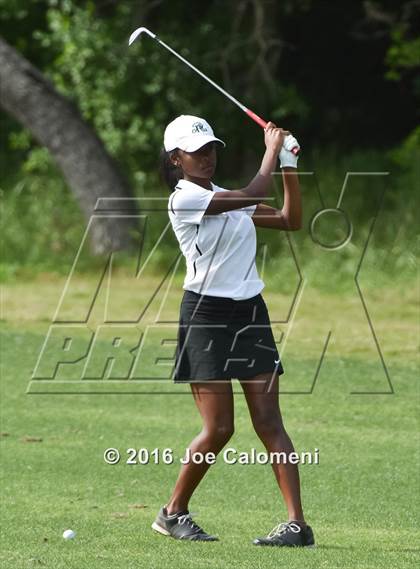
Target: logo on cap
[198,127]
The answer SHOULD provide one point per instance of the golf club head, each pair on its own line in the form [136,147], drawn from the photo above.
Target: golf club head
[139,31]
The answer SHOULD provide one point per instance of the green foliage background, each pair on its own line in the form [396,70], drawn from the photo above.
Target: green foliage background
[342,76]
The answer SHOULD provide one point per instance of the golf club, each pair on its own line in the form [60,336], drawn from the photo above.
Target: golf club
[250,113]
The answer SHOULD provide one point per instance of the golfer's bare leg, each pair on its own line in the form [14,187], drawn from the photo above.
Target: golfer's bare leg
[215,404]
[262,398]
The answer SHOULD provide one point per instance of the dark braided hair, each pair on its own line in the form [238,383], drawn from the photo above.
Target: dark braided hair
[169,173]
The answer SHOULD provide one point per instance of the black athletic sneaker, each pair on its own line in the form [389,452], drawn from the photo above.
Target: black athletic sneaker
[180,526]
[288,534]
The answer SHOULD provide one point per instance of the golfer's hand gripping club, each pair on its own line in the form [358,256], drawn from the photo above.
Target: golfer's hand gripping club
[250,113]
[287,157]
[263,124]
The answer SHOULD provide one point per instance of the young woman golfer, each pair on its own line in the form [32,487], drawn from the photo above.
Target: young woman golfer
[224,328]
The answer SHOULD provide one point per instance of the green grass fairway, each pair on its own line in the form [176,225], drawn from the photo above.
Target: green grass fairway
[362,499]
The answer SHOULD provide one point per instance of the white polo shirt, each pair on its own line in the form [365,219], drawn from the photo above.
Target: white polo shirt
[219,249]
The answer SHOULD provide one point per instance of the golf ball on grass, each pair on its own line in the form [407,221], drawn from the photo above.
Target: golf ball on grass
[69,534]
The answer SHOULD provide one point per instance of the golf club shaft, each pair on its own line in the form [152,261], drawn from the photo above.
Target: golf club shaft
[225,93]
[250,113]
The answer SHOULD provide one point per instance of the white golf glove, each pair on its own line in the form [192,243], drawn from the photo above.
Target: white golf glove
[286,156]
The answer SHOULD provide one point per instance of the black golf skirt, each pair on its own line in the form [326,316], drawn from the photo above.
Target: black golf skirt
[220,338]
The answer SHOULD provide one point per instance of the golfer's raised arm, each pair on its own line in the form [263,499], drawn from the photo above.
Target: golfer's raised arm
[257,190]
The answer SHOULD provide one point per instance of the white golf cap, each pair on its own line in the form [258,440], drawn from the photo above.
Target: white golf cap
[188,133]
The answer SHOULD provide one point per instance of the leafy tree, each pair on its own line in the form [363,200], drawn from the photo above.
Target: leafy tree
[57,125]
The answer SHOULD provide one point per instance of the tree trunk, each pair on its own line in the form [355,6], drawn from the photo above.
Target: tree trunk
[56,123]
